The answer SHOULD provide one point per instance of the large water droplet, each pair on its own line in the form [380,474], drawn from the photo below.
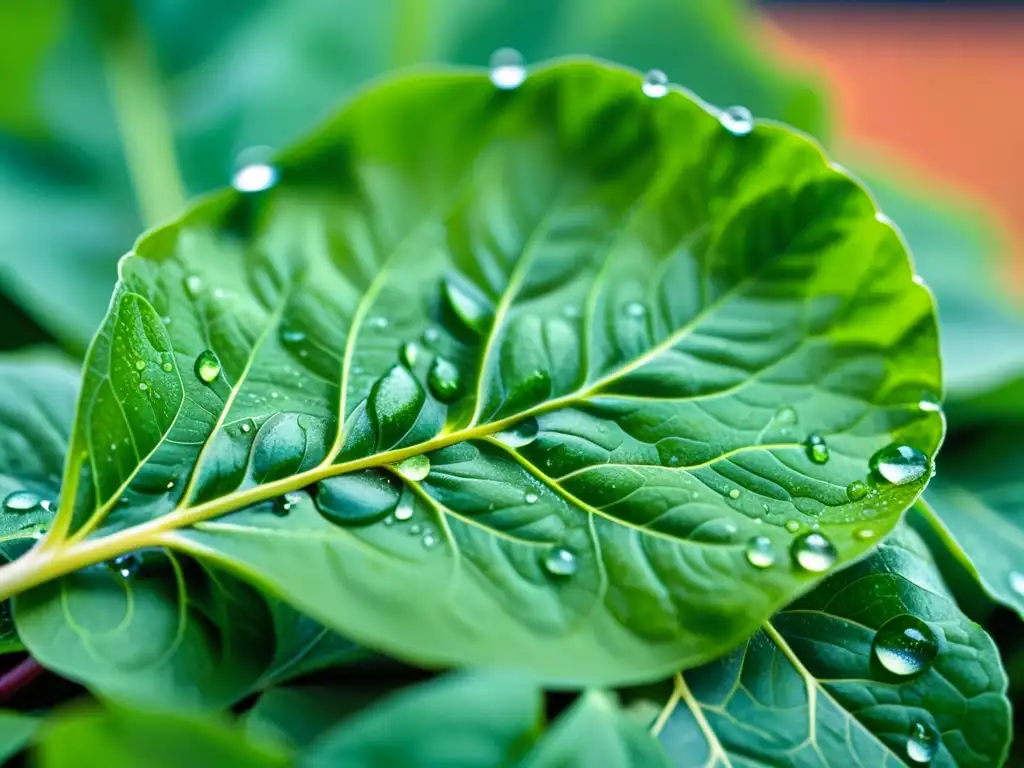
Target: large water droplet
[856,490]
[410,353]
[905,645]
[207,367]
[737,120]
[414,468]
[817,450]
[21,501]
[899,464]
[405,509]
[760,552]
[254,173]
[444,381]
[467,304]
[655,83]
[559,561]
[922,743]
[359,498]
[813,552]
[507,68]
[523,433]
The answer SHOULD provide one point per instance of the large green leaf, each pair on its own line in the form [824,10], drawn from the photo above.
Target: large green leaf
[623,329]
[811,689]
[115,95]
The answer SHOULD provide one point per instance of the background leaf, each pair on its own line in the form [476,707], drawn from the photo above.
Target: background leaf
[16,730]
[812,687]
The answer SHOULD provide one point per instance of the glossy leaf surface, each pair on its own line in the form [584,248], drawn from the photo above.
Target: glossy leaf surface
[811,688]
[644,321]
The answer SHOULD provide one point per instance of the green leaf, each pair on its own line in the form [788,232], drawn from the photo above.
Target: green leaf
[302,646]
[119,737]
[112,90]
[298,715]
[810,688]
[594,731]
[16,730]
[672,311]
[461,720]
[977,509]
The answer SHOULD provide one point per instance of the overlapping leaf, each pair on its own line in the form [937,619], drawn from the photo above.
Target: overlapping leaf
[574,339]
[810,689]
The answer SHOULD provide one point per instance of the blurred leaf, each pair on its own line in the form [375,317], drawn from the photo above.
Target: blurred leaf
[118,737]
[812,689]
[301,714]
[16,730]
[257,73]
[465,720]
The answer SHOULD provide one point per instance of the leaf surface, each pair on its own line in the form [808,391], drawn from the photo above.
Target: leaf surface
[545,362]
[810,688]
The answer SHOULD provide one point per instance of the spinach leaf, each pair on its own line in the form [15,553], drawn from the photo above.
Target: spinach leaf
[566,378]
[876,666]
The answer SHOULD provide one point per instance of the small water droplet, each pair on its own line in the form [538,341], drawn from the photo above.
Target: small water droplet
[140,365]
[245,427]
[429,540]
[254,177]
[404,509]
[21,501]
[523,433]
[170,485]
[905,645]
[194,285]
[126,566]
[168,367]
[786,415]
[760,552]
[792,526]
[922,743]
[207,367]
[899,464]
[636,309]
[292,336]
[389,521]
[166,319]
[409,353]
[864,534]
[143,386]
[571,311]
[655,84]
[531,498]
[734,493]
[507,69]
[559,561]
[284,504]
[856,490]
[48,505]
[930,406]
[444,381]
[377,322]
[737,120]
[813,552]
[817,450]
[414,530]
[1017,582]
[414,468]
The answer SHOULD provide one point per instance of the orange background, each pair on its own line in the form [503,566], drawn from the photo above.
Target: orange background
[941,90]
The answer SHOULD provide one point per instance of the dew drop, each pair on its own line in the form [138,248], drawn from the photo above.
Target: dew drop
[194,285]
[636,309]
[899,464]
[817,450]
[126,566]
[414,469]
[922,743]
[786,415]
[431,335]
[207,367]
[813,552]
[291,336]
[737,120]
[254,177]
[905,645]
[414,530]
[531,498]
[507,69]
[284,504]
[655,84]
[143,386]
[48,505]
[523,433]
[792,526]
[410,352]
[168,367]
[245,427]
[404,509]
[1017,582]
[21,501]
[429,540]
[559,561]
[389,521]
[444,381]
[760,552]
[864,534]
[170,485]
[734,493]
[140,365]
[856,490]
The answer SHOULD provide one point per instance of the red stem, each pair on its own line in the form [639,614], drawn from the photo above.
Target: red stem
[18,676]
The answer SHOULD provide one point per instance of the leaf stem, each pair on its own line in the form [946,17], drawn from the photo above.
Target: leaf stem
[18,676]
[142,120]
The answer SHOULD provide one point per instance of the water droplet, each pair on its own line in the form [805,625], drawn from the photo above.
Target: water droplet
[194,285]
[292,336]
[792,526]
[559,561]
[507,69]
[900,464]
[285,504]
[523,433]
[444,381]
[923,743]
[760,552]
[931,406]
[856,490]
[786,415]
[813,552]
[170,485]
[21,501]
[414,530]
[410,352]
[404,509]
[905,645]
[166,319]
[254,177]
[737,120]
[531,498]
[817,450]
[466,302]
[429,540]
[48,505]
[126,566]
[414,469]
[1017,582]
[431,335]
[245,427]
[168,367]
[655,84]
[864,534]
[274,395]
[389,521]
[636,309]
[140,365]
[207,367]
[143,386]
[734,493]
[377,322]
